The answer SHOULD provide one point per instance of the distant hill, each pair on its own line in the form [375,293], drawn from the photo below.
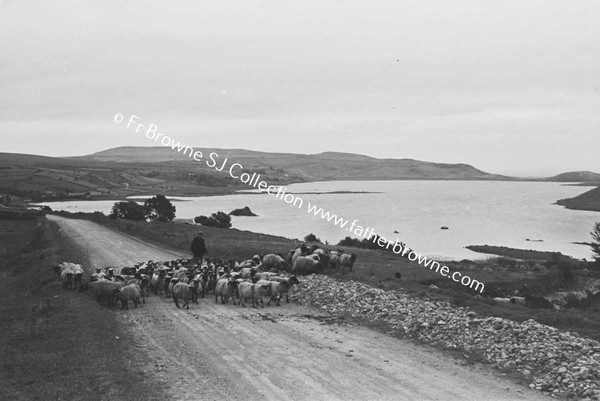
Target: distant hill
[316,167]
[126,171]
[577,176]
[589,200]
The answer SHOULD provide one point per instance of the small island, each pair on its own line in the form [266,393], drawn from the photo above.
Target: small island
[515,253]
[243,212]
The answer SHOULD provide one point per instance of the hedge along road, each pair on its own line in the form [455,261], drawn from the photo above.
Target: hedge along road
[216,351]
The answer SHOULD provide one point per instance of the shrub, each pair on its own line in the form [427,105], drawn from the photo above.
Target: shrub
[353,242]
[565,269]
[311,238]
[129,210]
[218,219]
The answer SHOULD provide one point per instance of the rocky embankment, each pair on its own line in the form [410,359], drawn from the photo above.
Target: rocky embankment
[558,363]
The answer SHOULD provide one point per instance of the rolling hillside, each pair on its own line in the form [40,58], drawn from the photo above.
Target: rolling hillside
[317,167]
[126,171]
[47,178]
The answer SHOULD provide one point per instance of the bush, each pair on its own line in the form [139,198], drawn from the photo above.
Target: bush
[353,242]
[129,210]
[565,269]
[218,219]
[311,238]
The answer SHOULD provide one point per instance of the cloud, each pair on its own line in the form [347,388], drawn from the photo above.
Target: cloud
[466,81]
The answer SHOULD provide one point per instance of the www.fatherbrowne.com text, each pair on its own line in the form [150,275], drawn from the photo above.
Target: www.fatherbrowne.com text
[236,171]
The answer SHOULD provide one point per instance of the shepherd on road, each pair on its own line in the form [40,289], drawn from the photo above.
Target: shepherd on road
[198,247]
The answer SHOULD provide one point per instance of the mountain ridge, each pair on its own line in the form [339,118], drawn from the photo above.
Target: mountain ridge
[320,166]
[135,170]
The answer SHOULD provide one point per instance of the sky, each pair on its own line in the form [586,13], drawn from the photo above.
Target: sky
[511,87]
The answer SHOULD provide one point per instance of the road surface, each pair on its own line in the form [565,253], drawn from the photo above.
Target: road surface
[292,352]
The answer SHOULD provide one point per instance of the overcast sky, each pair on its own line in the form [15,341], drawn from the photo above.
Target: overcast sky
[510,87]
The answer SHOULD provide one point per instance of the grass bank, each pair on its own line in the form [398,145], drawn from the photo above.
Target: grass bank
[56,344]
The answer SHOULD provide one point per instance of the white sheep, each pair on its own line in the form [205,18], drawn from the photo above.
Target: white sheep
[255,291]
[184,292]
[307,265]
[347,260]
[127,293]
[273,261]
[279,288]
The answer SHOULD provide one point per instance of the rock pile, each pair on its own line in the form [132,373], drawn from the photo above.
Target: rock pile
[555,362]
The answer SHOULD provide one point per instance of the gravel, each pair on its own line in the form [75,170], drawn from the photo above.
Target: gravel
[561,364]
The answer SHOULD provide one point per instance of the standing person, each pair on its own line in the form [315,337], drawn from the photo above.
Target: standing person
[198,247]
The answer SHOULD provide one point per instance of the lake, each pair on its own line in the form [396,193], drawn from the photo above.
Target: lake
[475,212]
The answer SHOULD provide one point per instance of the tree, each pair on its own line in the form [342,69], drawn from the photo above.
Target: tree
[311,238]
[159,208]
[595,245]
[129,210]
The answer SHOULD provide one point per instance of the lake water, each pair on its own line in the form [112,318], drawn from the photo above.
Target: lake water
[476,212]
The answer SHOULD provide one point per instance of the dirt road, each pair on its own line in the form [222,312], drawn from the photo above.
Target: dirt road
[215,351]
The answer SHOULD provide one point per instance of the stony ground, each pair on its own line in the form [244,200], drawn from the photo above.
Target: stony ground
[561,364]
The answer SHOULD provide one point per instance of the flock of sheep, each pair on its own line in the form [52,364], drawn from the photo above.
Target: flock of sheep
[257,279]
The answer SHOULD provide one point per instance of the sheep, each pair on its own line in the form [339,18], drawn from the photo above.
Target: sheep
[127,293]
[184,292]
[324,256]
[347,260]
[105,289]
[264,275]
[249,272]
[273,262]
[97,275]
[157,283]
[255,291]
[57,270]
[77,275]
[207,282]
[142,282]
[169,288]
[302,250]
[195,285]
[246,264]
[334,259]
[166,286]
[181,275]
[66,277]
[226,288]
[145,286]
[278,288]
[306,265]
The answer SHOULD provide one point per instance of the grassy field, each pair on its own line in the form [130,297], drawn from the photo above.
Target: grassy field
[54,344]
[502,276]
